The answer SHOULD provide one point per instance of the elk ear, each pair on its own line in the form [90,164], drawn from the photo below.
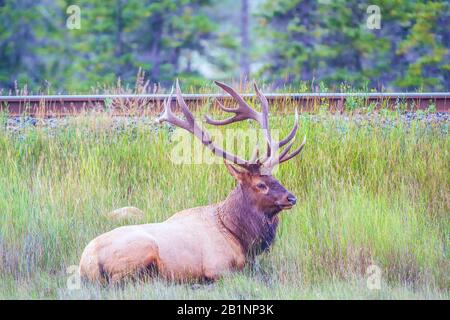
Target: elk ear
[238,175]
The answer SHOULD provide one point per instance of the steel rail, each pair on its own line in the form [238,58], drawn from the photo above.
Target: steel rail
[61,105]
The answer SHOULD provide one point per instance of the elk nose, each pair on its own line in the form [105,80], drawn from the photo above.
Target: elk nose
[292,199]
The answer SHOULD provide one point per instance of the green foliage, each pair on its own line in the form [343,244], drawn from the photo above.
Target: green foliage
[19,25]
[115,39]
[367,195]
[428,51]
[291,42]
[329,40]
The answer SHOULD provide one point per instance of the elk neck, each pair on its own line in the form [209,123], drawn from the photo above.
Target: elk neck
[254,229]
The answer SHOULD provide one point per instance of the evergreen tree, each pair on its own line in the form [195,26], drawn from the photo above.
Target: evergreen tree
[19,25]
[330,41]
[296,40]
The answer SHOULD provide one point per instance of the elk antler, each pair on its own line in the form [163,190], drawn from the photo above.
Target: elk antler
[272,158]
[191,125]
[242,112]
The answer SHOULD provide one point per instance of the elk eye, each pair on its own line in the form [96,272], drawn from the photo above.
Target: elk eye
[261,186]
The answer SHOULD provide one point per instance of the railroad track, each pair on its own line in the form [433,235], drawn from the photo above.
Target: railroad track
[63,105]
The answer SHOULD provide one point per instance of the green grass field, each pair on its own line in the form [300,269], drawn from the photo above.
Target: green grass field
[367,195]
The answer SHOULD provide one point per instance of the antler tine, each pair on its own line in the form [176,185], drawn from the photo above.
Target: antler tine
[264,110]
[221,106]
[265,118]
[271,160]
[242,112]
[184,108]
[293,132]
[286,150]
[168,115]
[255,155]
[166,112]
[289,137]
[294,153]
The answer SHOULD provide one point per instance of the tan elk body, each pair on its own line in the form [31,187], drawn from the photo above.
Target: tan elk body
[203,243]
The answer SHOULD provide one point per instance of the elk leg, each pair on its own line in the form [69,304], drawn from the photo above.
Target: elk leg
[133,264]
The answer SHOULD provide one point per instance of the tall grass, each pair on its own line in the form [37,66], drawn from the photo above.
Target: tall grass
[367,195]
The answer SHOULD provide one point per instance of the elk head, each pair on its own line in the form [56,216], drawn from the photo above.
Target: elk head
[254,176]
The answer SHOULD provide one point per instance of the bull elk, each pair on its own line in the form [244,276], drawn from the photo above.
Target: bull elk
[203,243]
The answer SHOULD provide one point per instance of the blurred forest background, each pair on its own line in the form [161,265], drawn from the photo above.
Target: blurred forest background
[295,43]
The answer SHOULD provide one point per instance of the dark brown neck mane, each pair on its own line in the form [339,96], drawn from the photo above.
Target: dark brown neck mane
[255,230]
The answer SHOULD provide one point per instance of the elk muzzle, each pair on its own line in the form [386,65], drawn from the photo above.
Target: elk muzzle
[292,199]
[288,202]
